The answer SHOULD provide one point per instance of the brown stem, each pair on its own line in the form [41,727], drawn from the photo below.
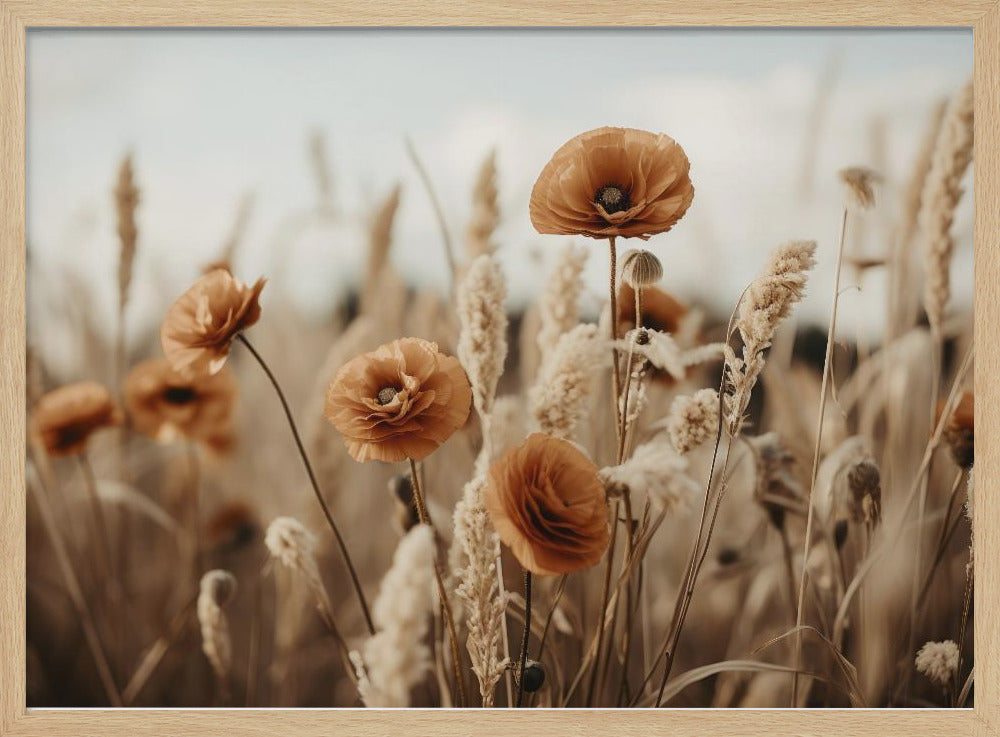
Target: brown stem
[948,528]
[154,656]
[605,594]
[449,251]
[524,638]
[456,663]
[315,485]
[194,480]
[100,523]
[40,491]
[786,552]
[616,387]
[831,336]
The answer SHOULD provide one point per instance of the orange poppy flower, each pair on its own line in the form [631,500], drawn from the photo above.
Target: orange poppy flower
[202,324]
[65,418]
[400,401]
[660,310]
[231,526]
[960,430]
[166,405]
[548,506]
[613,182]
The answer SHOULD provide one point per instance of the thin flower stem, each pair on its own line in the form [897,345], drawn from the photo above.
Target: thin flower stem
[524,638]
[456,663]
[449,250]
[502,592]
[560,590]
[786,553]
[101,533]
[970,577]
[937,341]
[605,593]
[831,335]
[948,527]
[696,564]
[613,300]
[194,477]
[315,485]
[629,551]
[254,643]
[154,655]
[40,493]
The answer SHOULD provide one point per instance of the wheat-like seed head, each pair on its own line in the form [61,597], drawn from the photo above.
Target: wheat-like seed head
[217,590]
[482,342]
[941,195]
[126,202]
[396,658]
[485,210]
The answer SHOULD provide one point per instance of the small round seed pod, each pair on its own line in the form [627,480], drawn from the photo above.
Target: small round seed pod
[401,488]
[641,268]
[728,556]
[865,484]
[534,676]
[840,530]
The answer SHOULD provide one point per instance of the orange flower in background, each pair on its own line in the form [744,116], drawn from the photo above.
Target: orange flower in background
[202,324]
[166,405]
[548,506]
[65,418]
[233,525]
[960,429]
[400,401]
[613,182]
[660,310]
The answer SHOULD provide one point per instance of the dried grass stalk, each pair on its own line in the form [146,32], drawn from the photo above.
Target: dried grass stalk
[217,590]
[767,301]
[485,211]
[482,342]
[693,419]
[478,589]
[559,308]
[396,658]
[941,195]
[379,243]
[559,399]
[126,202]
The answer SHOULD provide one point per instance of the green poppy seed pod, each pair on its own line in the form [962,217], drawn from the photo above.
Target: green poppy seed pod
[641,268]
[534,676]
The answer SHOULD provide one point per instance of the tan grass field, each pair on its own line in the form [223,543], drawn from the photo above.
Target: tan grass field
[689,508]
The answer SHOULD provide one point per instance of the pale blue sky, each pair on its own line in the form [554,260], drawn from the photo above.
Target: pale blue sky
[211,114]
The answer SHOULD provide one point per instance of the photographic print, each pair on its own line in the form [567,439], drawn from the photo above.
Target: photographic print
[500,368]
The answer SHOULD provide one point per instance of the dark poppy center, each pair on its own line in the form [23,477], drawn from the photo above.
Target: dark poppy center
[386,394]
[612,198]
[179,394]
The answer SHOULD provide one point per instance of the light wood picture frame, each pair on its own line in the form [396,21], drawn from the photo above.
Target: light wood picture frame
[18,16]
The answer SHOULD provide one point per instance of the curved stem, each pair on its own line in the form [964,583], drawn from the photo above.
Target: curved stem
[524,638]
[605,596]
[613,300]
[40,492]
[800,605]
[425,519]
[449,251]
[100,522]
[315,485]
[194,479]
